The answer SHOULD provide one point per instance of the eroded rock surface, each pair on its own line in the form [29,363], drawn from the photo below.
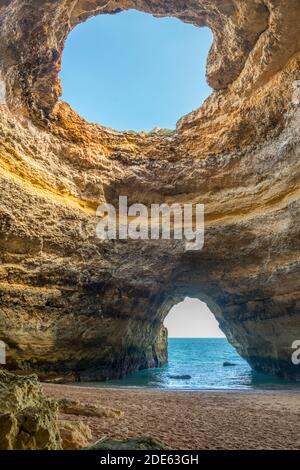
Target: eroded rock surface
[28,419]
[74,435]
[71,303]
[141,443]
[74,407]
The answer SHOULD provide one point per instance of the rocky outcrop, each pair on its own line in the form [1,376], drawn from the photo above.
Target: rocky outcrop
[74,435]
[141,443]
[28,419]
[74,407]
[70,303]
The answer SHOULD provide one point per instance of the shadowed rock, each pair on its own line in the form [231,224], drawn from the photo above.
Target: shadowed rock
[142,443]
[180,377]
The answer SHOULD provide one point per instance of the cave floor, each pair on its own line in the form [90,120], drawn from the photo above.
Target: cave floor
[194,420]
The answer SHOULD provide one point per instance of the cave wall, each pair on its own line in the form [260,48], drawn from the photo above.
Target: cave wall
[69,302]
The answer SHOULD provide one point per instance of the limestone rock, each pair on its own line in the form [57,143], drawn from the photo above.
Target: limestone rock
[8,431]
[74,435]
[180,377]
[28,419]
[74,407]
[142,443]
[70,303]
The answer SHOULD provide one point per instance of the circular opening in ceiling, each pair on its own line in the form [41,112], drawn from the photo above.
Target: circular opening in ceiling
[132,71]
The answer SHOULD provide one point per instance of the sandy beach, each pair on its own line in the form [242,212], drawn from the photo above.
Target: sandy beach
[194,420]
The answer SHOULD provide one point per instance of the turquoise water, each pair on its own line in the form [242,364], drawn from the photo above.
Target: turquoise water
[203,360]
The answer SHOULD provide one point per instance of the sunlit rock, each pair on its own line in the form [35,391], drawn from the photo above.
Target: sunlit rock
[28,419]
[74,435]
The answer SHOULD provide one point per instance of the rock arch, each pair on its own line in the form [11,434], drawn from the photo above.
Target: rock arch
[69,302]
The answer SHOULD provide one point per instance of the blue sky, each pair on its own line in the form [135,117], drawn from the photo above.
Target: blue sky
[131,71]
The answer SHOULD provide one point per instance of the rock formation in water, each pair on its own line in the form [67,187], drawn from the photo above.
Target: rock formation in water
[71,303]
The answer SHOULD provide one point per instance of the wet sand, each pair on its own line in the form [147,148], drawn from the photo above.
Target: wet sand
[194,420]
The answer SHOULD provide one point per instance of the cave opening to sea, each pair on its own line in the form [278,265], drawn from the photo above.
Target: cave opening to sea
[134,71]
[199,357]
[199,354]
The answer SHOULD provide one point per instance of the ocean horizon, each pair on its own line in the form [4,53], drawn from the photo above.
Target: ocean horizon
[200,364]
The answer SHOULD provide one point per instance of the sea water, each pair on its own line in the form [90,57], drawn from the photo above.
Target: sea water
[203,360]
